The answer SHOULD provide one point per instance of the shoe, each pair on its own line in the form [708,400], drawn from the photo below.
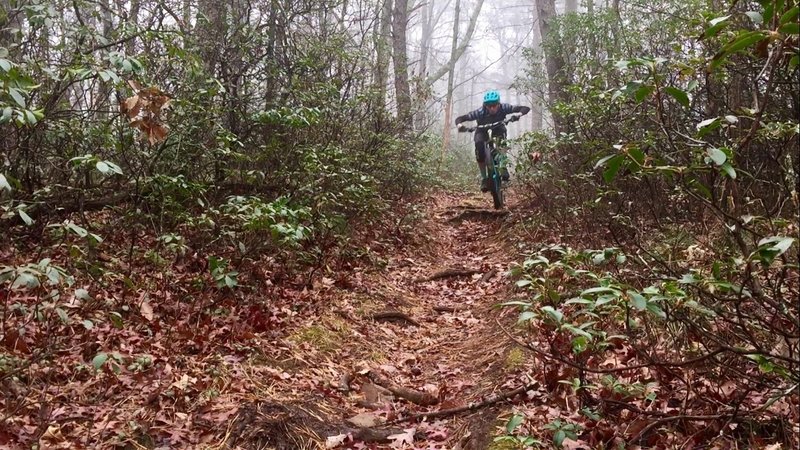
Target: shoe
[485,185]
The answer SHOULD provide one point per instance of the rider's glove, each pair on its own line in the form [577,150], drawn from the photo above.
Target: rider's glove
[514,118]
[462,128]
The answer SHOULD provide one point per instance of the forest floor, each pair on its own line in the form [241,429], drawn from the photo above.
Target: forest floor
[404,349]
[157,359]
[419,336]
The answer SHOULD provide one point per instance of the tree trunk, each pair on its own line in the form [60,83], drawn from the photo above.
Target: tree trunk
[427,22]
[381,72]
[570,6]
[400,58]
[554,61]
[448,108]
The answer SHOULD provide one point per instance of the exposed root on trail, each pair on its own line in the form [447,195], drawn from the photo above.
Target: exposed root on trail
[413,396]
[448,273]
[395,316]
[472,407]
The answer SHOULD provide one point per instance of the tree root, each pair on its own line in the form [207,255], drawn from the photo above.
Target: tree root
[394,316]
[412,395]
[448,273]
[472,407]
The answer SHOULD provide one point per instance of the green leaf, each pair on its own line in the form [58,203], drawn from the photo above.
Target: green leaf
[26,280]
[7,112]
[25,217]
[88,324]
[612,167]
[63,316]
[4,184]
[789,15]
[707,126]
[790,28]
[679,95]
[103,167]
[514,422]
[554,314]
[602,162]
[525,316]
[741,42]
[82,294]
[655,309]
[718,156]
[99,360]
[5,64]
[643,92]
[30,117]
[794,62]
[17,96]
[729,170]
[598,290]
[576,331]
[559,437]
[116,319]
[523,283]
[638,300]
[755,17]
[717,24]
[772,247]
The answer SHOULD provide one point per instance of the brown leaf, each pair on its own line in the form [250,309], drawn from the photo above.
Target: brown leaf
[134,85]
[365,420]
[146,310]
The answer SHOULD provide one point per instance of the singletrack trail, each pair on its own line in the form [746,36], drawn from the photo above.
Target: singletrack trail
[420,335]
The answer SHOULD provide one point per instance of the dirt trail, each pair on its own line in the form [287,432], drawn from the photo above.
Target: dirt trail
[423,327]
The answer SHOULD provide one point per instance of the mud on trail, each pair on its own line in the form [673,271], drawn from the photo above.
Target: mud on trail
[409,356]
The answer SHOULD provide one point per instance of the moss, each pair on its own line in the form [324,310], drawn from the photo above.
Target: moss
[515,358]
[323,339]
[503,445]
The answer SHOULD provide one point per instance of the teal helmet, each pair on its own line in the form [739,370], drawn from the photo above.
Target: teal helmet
[491,98]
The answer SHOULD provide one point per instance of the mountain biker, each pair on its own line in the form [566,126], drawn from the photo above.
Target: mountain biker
[492,111]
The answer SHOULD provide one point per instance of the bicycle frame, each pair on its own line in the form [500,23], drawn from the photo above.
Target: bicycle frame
[495,160]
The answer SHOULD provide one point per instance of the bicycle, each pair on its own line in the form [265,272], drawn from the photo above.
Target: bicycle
[496,160]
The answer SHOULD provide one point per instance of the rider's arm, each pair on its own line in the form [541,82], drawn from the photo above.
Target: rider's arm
[472,115]
[520,109]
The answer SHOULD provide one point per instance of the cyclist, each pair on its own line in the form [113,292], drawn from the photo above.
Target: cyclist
[492,111]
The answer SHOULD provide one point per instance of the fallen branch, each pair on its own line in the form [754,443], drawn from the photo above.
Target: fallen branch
[444,309]
[394,315]
[414,396]
[448,273]
[472,407]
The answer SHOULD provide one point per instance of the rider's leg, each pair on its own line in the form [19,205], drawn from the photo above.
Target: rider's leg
[480,146]
[500,132]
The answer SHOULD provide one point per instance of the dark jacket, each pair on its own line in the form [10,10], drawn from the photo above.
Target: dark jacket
[482,116]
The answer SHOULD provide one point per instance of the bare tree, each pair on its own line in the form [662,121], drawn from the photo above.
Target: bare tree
[400,58]
[554,61]
[382,47]
[448,108]
[456,55]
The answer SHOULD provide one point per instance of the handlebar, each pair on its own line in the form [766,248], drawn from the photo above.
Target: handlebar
[487,126]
